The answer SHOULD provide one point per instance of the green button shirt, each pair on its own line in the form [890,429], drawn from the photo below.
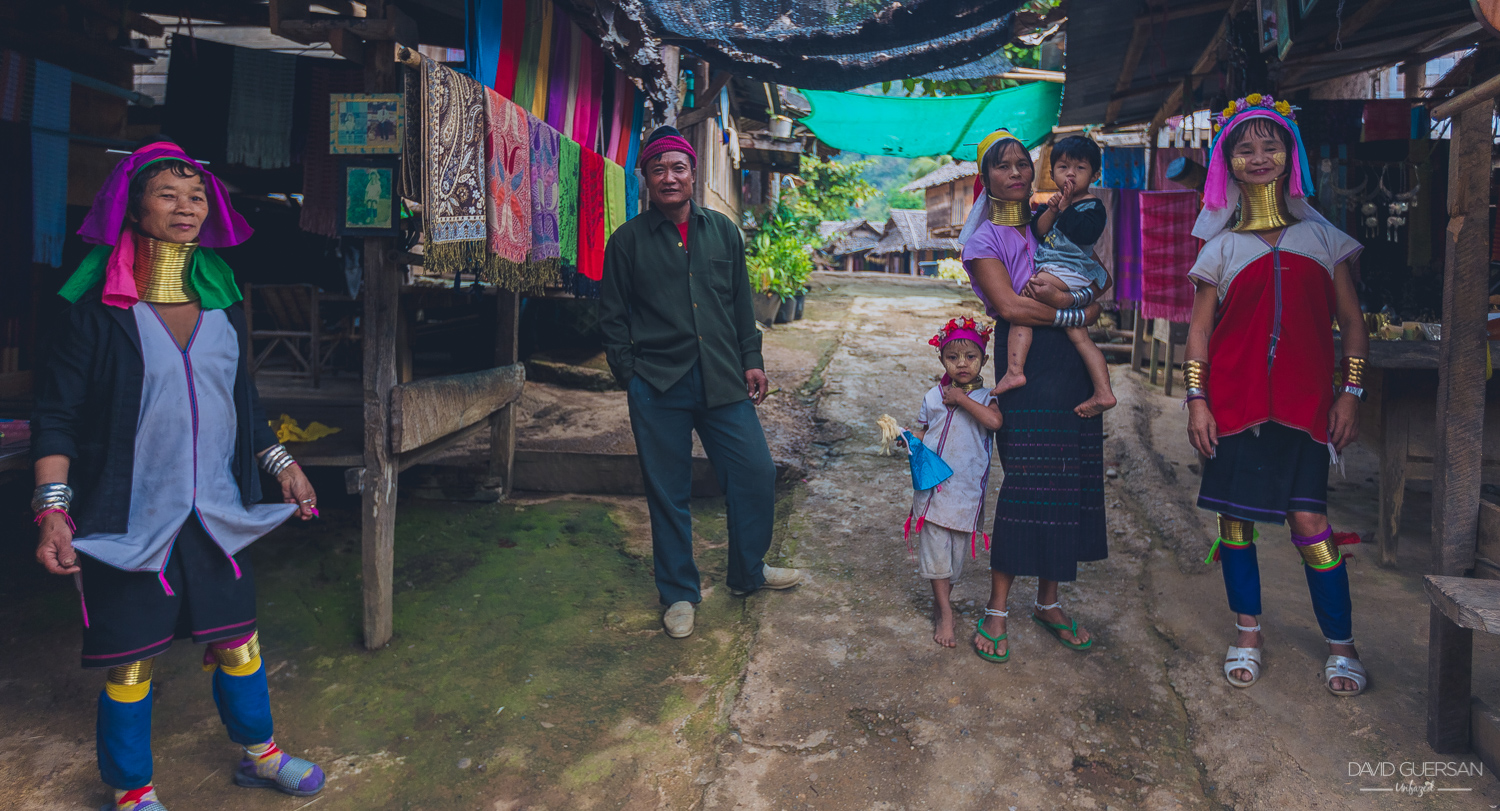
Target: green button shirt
[664,309]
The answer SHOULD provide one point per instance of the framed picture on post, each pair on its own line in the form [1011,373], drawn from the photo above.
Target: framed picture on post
[365,123]
[1265,15]
[370,207]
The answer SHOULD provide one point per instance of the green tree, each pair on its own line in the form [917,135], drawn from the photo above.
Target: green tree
[832,189]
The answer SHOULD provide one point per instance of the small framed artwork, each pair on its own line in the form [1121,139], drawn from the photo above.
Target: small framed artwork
[369,206]
[1265,12]
[365,123]
[1283,29]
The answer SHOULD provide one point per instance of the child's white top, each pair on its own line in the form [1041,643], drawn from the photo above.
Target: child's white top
[966,446]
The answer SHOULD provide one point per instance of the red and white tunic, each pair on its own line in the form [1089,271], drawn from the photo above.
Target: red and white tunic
[1270,357]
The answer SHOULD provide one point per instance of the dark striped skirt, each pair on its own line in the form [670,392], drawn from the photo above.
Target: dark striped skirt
[1050,513]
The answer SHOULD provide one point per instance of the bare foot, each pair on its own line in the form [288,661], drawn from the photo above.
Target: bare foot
[1056,616]
[1250,639]
[1342,683]
[942,625]
[1011,380]
[1096,405]
[994,626]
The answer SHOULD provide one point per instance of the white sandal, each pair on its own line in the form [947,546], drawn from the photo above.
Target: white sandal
[1344,667]
[1242,659]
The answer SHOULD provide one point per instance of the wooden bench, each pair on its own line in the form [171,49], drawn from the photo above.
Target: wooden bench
[1461,606]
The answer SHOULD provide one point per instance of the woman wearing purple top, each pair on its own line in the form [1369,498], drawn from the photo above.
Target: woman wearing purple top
[1050,513]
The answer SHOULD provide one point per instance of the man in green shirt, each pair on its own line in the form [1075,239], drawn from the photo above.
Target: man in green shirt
[680,335]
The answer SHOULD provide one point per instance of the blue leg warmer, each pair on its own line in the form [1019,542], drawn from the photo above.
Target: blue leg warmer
[1241,578]
[1331,602]
[123,737]
[244,706]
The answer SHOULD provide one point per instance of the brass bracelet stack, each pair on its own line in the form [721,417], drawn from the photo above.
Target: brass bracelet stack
[1354,377]
[1195,373]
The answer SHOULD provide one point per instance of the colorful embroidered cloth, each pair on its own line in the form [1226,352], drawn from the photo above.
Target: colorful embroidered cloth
[567,201]
[1124,168]
[260,108]
[591,214]
[1168,250]
[508,187]
[411,135]
[1127,227]
[453,134]
[545,146]
[614,198]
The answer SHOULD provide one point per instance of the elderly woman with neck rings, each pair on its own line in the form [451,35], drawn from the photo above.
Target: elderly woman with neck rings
[147,433]
[1272,277]
[1050,513]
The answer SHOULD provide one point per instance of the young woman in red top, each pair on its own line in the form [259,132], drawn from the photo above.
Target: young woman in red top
[1263,406]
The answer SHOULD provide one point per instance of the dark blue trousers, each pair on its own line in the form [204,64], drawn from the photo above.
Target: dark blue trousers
[663,422]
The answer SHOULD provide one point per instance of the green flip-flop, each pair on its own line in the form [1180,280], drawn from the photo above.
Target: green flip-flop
[1056,629]
[994,640]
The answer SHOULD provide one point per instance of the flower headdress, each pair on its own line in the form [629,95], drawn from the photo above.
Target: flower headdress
[962,329]
[1221,195]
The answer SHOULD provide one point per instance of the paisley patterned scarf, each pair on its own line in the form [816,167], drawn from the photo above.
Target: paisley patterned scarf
[508,182]
[545,146]
[567,202]
[453,133]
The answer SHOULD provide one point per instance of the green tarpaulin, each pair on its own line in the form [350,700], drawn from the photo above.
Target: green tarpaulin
[914,127]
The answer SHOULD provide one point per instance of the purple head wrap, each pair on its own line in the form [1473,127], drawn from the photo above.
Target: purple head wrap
[222,228]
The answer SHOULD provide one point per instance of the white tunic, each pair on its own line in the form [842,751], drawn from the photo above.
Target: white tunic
[966,446]
[184,449]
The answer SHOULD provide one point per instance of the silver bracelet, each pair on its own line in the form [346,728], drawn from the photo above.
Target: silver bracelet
[276,460]
[1196,392]
[51,496]
[1082,297]
[1068,318]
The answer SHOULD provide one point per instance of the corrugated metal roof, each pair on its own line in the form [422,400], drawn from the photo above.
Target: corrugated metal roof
[943,174]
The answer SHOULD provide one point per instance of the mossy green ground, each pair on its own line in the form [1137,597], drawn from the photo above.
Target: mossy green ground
[547,610]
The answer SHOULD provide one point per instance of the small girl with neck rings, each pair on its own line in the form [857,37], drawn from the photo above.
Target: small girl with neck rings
[961,416]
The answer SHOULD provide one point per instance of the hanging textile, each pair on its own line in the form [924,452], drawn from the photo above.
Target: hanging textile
[200,75]
[1168,250]
[321,189]
[614,197]
[1104,246]
[483,27]
[543,60]
[585,100]
[1387,120]
[567,201]
[575,66]
[914,127]
[453,134]
[508,191]
[260,109]
[50,121]
[633,147]
[531,46]
[557,72]
[512,34]
[1124,167]
[632,194]
[15,79]
[411,135]
[1127,226]
[1162,159]
[591,214]
[545,145]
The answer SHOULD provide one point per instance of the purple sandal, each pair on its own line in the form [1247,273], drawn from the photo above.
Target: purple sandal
[278,770]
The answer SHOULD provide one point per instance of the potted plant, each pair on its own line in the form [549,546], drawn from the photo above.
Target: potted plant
[779,264]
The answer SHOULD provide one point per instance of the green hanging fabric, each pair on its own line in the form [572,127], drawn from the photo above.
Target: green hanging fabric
[210,277]
[567,201]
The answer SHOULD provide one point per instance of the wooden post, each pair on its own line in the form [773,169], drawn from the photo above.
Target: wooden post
[1460,415]
[503,422]
[382,290]
[1395,413]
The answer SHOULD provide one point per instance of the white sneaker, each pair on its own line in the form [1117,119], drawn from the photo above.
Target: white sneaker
[678,621]
[776,578]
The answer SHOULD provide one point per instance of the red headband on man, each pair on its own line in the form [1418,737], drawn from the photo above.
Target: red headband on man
[666,143]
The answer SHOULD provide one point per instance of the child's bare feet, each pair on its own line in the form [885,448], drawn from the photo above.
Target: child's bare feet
[1011,380]
[942,624]
[1096,405]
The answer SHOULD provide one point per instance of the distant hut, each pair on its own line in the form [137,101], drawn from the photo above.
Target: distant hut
[949,190]
[849,242]
[908,248]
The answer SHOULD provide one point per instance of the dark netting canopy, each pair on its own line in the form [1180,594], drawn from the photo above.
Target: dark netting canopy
[834,44]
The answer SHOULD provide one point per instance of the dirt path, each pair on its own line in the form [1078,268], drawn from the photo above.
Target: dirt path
[848,704]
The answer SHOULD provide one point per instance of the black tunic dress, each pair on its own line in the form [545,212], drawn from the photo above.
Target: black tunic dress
[1050,514]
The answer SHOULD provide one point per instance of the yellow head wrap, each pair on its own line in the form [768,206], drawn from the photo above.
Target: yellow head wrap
[990,140]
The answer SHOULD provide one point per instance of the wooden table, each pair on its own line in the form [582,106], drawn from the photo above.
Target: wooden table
[1400,418]
[16,458]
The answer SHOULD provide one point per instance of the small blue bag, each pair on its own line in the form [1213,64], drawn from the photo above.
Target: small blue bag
[928,470]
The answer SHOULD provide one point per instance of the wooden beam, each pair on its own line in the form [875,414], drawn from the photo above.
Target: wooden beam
[382,291]
[320,29]
[1367,14]
[1485,91]
[1201,68]
[1466,602]
[1450,663]
[1461,353]
[708,102]
[1127,68]
[427,410]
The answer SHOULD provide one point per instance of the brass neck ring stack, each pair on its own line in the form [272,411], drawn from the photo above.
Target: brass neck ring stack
[161,270]
[1008,212]
[1263,207]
